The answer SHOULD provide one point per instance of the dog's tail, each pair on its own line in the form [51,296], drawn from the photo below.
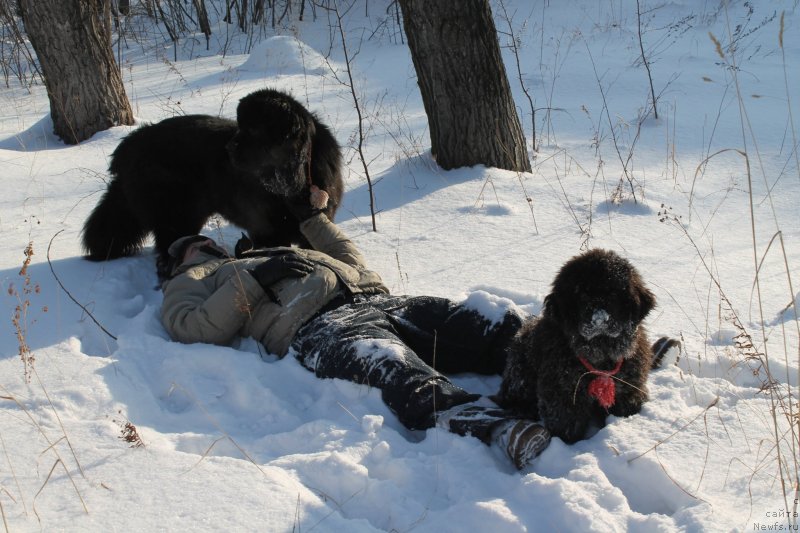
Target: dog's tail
[112,230]
[662,347]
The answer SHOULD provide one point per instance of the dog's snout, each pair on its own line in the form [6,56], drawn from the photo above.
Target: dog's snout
[600,323]
[600,317]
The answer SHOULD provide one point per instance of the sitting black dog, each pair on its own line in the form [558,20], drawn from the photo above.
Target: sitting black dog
[587,355]
[168,178]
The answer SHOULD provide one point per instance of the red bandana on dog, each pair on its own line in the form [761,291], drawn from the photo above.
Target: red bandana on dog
[602,387]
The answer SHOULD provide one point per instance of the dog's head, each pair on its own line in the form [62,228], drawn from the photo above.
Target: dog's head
[273,141]
[599,299]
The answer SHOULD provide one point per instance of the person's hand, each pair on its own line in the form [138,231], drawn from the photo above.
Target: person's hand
[275,269]
[243,245]
[318,198]
[304,207]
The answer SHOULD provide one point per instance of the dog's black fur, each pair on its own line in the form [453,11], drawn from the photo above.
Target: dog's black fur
[595,309]
[168,178]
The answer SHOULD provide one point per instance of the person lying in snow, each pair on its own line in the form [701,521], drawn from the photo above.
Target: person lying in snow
[337,318]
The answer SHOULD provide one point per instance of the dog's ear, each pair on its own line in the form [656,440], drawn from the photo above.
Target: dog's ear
[311,127]
[303,132]
[646,299]
[550,307]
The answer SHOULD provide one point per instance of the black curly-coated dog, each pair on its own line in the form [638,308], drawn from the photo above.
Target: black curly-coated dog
[587,355]
[168,178]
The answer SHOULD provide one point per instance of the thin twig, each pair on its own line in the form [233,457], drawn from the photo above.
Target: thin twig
[528,199]
[3,512]
[350,84]
[644,58]
[515,50]
[686,425]
[216,424]
[765,359]
[622,160]
[85,310]
[674,481]
[51,445]
[13,474]
[49,475]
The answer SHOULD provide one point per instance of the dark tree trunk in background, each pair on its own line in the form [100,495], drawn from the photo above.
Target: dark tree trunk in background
[202,19]
[72,41]
[124,7]
[471,114]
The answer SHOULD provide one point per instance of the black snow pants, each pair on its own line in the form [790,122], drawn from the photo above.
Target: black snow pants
[404,345]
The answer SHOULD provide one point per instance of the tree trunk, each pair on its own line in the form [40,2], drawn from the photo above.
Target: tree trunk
[72,41]
[202,19]
[124,7]
[471,113]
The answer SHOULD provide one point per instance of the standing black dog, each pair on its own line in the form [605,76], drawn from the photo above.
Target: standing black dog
[587,355]
[168,178]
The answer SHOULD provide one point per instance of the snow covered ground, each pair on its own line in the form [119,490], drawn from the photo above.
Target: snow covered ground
[232,442]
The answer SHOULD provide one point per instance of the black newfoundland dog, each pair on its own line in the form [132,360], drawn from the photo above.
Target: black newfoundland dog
[587,355]
[168,178]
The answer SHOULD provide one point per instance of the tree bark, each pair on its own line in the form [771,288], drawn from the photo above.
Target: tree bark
[73,43]
[471,114]
[202,19]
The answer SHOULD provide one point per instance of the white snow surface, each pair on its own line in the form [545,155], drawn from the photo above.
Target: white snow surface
[234,442]
[284,54]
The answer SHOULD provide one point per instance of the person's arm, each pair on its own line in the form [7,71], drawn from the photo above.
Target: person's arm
[325,236]
[193,312]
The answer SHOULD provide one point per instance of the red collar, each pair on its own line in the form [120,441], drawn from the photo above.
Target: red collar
[596,372]
[602,387]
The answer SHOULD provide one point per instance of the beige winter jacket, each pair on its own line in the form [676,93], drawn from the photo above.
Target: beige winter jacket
[215,300]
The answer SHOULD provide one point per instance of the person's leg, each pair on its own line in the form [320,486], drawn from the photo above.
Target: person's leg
[360,342]
[451,337]
[357,342]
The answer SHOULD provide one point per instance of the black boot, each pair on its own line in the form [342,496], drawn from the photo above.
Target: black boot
[521,440]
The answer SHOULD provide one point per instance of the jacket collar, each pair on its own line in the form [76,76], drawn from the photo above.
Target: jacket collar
[200,258]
